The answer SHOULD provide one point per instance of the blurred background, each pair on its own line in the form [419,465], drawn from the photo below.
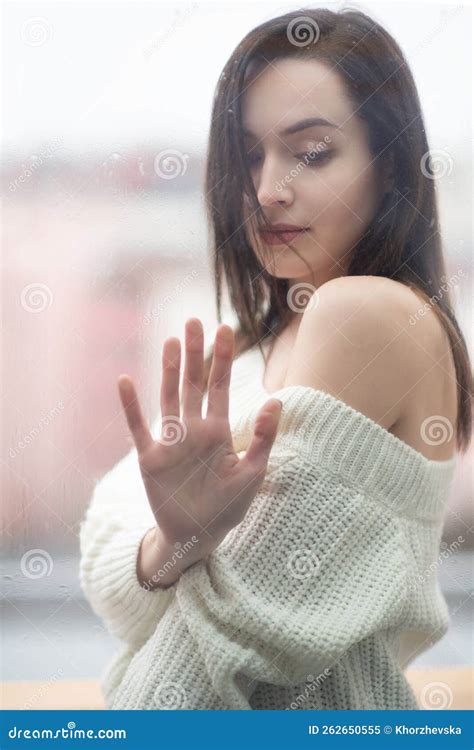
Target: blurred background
[105,254]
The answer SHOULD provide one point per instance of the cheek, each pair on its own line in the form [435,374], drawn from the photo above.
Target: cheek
[344,190]
[361,192]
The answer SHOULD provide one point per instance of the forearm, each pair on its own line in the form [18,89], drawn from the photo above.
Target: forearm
[160,564]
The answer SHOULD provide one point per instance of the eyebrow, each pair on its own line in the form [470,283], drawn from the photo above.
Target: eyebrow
[309,122]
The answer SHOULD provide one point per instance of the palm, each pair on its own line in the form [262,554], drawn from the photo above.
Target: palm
[179,475]
[195,482]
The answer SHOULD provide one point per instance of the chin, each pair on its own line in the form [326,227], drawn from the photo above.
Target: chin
[287,263]
[288,270]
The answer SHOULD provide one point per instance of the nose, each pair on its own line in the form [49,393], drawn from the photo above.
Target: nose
[273,186]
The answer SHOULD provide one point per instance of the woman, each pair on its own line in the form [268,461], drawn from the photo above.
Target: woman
[276,553]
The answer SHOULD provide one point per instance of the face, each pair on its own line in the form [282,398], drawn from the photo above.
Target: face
[319,177]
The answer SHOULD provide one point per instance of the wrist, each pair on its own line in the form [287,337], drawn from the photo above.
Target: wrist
[160,563]
[153,567]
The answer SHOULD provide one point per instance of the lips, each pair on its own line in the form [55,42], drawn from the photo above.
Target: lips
[280,237]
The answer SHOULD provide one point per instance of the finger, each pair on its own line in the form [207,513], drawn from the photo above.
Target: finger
[136,422]
[193,369]
[265,431]
[169,392]
[220,373]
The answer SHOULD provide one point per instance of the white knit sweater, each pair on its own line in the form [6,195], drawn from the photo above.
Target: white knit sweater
[318,599]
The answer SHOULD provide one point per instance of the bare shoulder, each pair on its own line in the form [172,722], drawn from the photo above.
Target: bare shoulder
[356,342]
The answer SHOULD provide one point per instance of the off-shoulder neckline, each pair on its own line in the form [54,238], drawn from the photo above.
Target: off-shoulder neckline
[387,437]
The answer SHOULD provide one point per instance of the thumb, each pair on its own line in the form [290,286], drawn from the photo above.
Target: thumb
[264,434]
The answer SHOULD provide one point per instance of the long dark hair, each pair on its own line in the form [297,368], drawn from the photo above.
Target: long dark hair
[403,241]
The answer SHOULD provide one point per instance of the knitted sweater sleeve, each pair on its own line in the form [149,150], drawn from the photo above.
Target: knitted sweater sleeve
[318,564]
[115,522]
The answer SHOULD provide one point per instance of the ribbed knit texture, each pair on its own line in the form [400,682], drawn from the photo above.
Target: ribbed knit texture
[318,599]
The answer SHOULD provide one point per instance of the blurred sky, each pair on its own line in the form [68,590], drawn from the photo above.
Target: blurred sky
[101,73]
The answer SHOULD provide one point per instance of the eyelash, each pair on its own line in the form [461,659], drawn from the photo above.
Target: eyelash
[313,159]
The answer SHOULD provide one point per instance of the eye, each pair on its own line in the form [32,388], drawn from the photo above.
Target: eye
[312,157]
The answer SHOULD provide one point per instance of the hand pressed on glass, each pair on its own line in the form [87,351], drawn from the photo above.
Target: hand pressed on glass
[196,484]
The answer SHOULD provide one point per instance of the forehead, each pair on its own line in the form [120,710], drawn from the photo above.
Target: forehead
[290,90]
